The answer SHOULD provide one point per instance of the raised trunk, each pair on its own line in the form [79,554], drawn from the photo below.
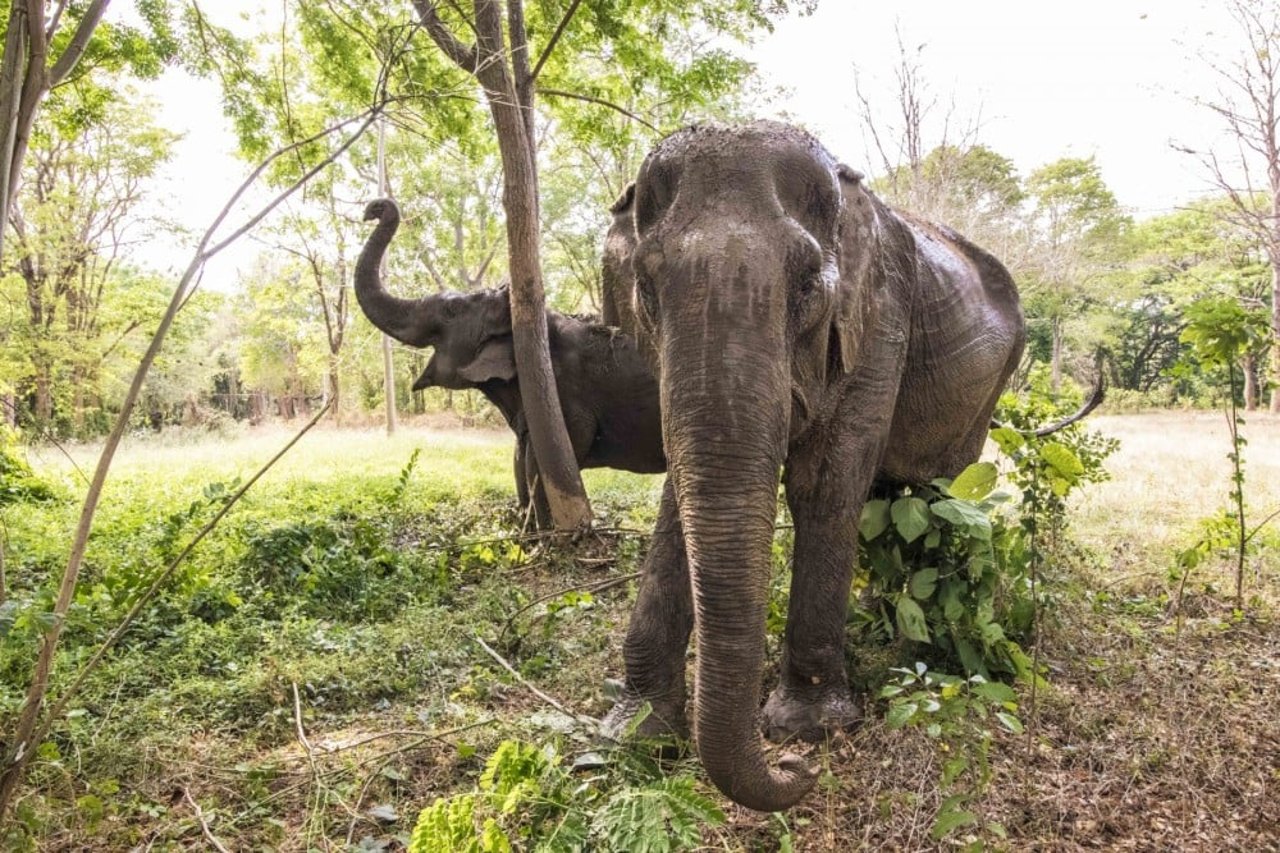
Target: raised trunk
[407,320]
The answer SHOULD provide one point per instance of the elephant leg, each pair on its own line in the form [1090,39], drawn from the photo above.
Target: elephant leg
[813,697]
[658,636]
[522,482]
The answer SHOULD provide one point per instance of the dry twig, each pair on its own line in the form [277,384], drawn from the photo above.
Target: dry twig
[550,700]
[204,824]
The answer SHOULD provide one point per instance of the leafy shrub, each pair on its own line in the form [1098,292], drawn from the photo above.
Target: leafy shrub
[944,568]
[953,563]
[18,483]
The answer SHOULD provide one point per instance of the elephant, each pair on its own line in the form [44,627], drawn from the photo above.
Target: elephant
[801,330]
[608,395]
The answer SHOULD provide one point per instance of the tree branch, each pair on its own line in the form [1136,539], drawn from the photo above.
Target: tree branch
[551,43]
[79,42]
[464,56]
[559,93]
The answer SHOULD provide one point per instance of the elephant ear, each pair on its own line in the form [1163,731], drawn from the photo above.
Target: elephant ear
[861,271]
[496,359]
[623,202]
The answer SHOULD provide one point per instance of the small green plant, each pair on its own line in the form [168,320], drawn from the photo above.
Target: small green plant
[1220,332]
[526,799]
[957,712]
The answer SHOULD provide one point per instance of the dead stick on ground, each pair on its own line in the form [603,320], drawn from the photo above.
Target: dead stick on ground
[550,700]
[204,825]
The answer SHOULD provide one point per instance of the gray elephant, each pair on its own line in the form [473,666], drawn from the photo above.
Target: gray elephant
[797,324]
[608,395]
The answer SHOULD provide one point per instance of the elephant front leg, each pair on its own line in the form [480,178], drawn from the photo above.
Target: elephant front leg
[658,637]
[813,697]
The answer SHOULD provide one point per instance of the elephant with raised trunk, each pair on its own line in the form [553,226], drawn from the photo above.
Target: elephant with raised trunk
[608,395]
[796,324]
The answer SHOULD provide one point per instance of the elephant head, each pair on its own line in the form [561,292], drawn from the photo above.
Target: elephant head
[475,346]
[751,290]
[471,332]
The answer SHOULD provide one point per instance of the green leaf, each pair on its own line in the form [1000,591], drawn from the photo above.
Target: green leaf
[950,821]
[899,714]
[1008,440]
[911,517]
[911,621]
[965,516]
[995,691]
[1063,461]
[1010,722]
[975,482]
[923,583]
[875,519]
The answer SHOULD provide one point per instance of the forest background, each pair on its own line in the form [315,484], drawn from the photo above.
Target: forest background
[277,334]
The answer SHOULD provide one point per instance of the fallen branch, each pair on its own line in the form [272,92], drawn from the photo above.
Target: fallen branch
[550,700]
[204,824]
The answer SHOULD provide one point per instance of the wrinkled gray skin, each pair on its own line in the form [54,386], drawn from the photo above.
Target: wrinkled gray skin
[607,393]
[797,324]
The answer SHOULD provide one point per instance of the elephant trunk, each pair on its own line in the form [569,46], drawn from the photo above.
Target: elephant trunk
[725,403]
[410,321]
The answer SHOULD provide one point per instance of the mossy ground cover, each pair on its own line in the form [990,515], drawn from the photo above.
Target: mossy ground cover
[312,677]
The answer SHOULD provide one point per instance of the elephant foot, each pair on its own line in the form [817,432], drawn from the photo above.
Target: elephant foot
[809,716]
[665,719]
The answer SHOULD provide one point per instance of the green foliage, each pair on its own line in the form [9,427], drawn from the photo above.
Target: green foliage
[18,483]
[1220,331]
[527,799]
[948,571]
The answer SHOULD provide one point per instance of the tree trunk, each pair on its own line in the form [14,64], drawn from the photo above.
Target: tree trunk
[1275,311]
[335,388]
[1249,367]
[1055,366]
[508,86]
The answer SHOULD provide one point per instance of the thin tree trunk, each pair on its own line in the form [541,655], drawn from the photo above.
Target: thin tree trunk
[388,364]
[1249,367]
[335,388]
[508,85]
[1055,367]
[1275,313]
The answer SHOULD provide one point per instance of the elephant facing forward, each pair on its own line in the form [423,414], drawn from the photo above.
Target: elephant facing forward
[608,395]
[799,325]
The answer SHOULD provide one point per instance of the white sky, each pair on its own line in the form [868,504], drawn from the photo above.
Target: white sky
[1111,79]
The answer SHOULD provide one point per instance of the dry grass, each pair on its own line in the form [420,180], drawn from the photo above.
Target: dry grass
[1146,738]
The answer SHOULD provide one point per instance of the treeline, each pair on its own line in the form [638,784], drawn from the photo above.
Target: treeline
[1102,291]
